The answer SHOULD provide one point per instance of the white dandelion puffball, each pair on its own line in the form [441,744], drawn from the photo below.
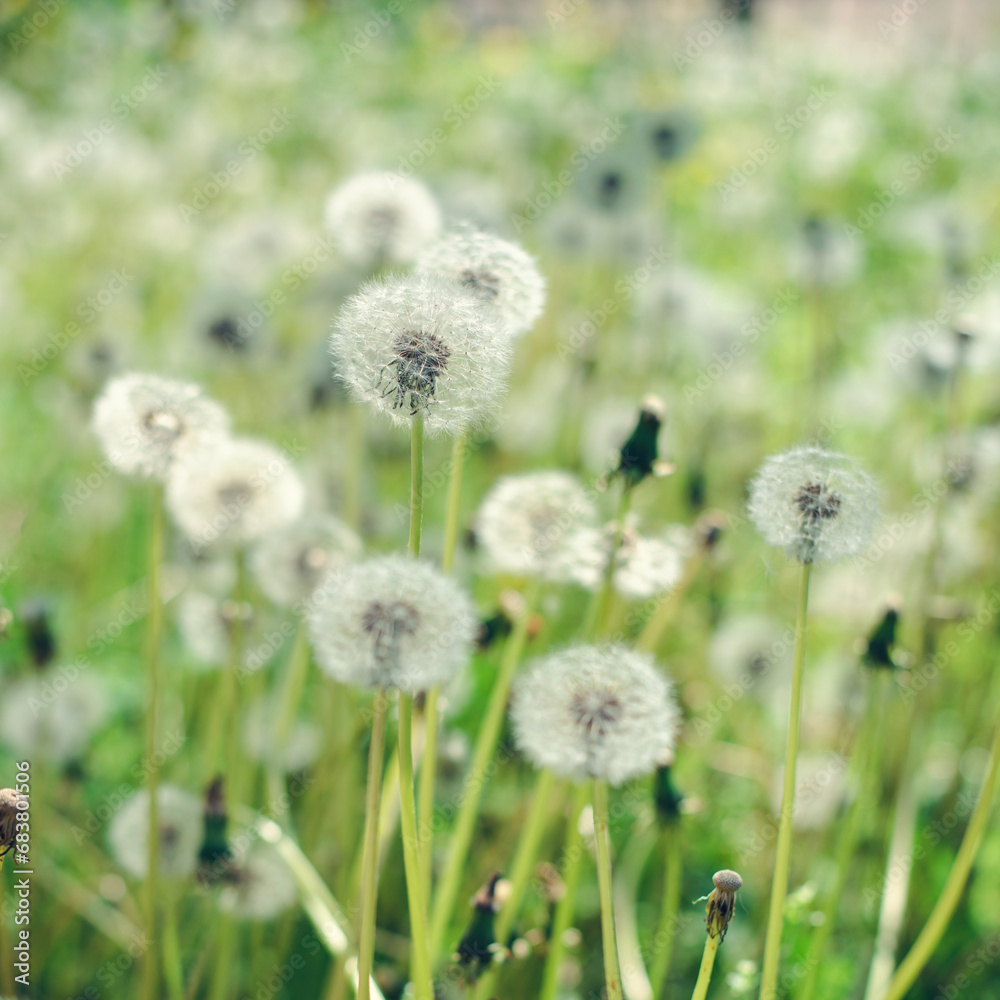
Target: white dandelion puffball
[595,712]
[529,525]
[498,273]
[52,715]
[289,564]
[392,622]
[204,628]
[300,749]
[233,491]
[262,885]
[382,218]
[644,566]
[179,817]
[141,420]
[818,504]
[418,345]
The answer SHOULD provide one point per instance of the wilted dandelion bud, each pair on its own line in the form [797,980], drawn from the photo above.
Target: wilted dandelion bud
[391,622]
[818,504]
[259,887]
[142,420]
[232,491]
[722,902]
[595,712]
[179,820]
[527,525]
[500,274]
[382,218]
[12,805]
[289,564]
[417,345]
[639,457]
[478,944]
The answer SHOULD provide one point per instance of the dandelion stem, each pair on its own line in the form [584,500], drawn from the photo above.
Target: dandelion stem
[453,519]
[151,976]
[486,741]
[420,966]
[667,927]
[602,835]
[947,902]
[705,972]
[779,884]
[416,483]
[291,694]
[652,631]
[172,965]
[369,863]
[570,866]
[597,613]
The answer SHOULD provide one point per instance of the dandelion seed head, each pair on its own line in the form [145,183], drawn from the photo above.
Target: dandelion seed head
[380,218]
[595,712]
[10,801]
[290,563]
[142,420]
[418,345]
[644,565]
[500,274]
[232,491]
[818,504]
[179,817]
[530,525]
[391,622]
[259,886]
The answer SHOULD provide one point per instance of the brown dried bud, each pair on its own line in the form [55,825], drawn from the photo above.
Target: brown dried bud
[722,902]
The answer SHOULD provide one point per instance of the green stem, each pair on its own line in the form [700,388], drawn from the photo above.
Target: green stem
[652,631]
[667,928]
[420,965]
[572,856]
[602,835]
[779,884]
[369,864]
[416,483]
[296,673]
[452,519]
[705,972]
[597,613]
[151,977]
[929,938]
[172,964]
[486,741]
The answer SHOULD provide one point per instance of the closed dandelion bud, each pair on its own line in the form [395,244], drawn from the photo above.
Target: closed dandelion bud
[259,887]
[665,796]
[818,504]
[879,648]
[478,943]
[12,805]
[528,525]
[289,564]
[214,856]
[391,622]
[410,346]
[722,902]
[382,218]
[142,420]
[179,821]
[499,274]
[595,712]
[639,457]
[38,632]
[233,491]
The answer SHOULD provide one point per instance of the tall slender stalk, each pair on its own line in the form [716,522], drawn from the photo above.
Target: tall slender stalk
[779,884]
[296,672]
[652,631]
[173,967]
[929,938]
[416,483]
[151,975]
[602,836]
[486,741]
[707,964]
[597,613]
[669,907]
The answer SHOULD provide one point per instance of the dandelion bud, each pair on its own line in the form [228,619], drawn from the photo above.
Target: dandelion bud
[179,821]
[411,346]
[214,856]
[38,631]
[818,504]
[665,796]
[259,886]
[391,622]
[497,273]
[232,491]
[879,648]
[478,943]
[595,712]
[638,457]
[382,218]
[142,420]
[708,529]
[722,902]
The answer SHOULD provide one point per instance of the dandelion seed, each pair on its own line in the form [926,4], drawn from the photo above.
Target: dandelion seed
[413,346]
[289,564]
[179,824]
[259,886]
[391,622]
[233,491]
[381,218]
[529,525]
[818,504]
[498,273]
[595,712]
[142,420]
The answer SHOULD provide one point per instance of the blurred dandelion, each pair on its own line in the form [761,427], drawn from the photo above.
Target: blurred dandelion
[180,829]
[259,886]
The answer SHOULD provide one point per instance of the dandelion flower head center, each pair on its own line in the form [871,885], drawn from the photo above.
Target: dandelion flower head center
[419,359]
[226,332]
[312,561]
[162,424]
[387,622]
[382,223]
[238,493]
[817,503]
[544,523]
[169,835]
[596,711]
[484,284]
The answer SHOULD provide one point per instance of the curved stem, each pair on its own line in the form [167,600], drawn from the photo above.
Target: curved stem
[944,909]
[705,972]
[602,835]
[667,927]
[420,966]
[486,741]
[779,884]
[151,977]
[564,908]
